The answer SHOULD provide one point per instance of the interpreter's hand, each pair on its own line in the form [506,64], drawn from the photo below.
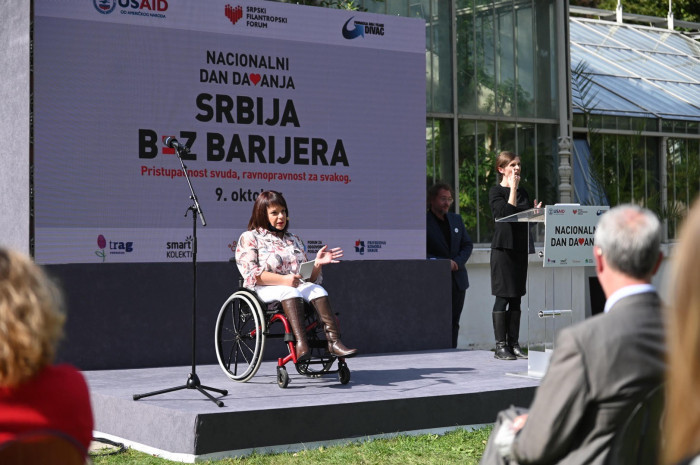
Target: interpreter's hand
[292,280]
[513,179]
[453,265]
[325,256]
[538,205]
[519,422]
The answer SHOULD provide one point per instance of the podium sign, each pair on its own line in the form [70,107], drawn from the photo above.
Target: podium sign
[569,231]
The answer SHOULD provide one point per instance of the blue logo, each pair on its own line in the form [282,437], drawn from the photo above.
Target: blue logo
[360,247]
[104,6]
[600,212]
[357,31]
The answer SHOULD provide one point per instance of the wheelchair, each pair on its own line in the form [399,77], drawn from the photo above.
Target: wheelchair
[243,326]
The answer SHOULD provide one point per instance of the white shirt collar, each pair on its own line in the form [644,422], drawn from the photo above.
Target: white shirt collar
[626,292]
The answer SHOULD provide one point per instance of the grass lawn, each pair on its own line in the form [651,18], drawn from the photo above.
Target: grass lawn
[459,446]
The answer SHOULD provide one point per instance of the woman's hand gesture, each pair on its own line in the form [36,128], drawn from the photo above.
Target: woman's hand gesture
[325,256]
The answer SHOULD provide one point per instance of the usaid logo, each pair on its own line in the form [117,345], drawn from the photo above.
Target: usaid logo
[105,6]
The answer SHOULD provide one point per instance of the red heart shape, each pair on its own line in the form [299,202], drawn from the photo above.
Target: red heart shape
[581,241]
[255,78]
[575,211]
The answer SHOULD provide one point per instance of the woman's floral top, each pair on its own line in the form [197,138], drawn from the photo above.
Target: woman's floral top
[260,250]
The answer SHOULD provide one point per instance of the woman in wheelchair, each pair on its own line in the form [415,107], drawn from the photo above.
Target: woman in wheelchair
[268,258]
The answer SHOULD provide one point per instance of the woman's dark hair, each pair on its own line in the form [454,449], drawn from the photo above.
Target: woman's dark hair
[258,219]
[502,161]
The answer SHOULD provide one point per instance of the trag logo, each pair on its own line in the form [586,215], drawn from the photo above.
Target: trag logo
[360,28]
[233,13]
[360,247]
[101,243]
[105,6]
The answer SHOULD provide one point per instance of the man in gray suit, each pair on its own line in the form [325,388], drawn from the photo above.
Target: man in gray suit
[602,367]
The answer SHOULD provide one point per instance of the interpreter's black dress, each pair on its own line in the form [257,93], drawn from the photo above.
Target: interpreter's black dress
[509,247]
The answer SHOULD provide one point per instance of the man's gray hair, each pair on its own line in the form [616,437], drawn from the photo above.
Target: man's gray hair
[629,237]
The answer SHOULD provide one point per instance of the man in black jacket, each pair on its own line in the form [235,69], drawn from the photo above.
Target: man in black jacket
[447,238]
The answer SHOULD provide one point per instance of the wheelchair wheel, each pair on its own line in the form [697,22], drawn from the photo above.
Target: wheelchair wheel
[240,336]
[282,377]
[343,373]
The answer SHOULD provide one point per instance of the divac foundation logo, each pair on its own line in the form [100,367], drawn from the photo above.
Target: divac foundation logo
[234,14]
[360,28]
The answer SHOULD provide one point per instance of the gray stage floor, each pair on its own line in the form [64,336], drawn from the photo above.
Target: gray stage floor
[387,394]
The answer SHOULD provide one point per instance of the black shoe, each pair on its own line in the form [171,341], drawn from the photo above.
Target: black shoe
[503,352]
[517,351]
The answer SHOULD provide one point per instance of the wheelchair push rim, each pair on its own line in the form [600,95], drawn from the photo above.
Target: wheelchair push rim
[240,336]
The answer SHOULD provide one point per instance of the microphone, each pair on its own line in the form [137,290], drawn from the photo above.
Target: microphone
[173,143]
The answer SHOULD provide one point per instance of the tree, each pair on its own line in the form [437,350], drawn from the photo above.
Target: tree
[683,10]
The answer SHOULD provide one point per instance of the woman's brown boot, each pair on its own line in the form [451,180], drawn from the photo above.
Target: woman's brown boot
[294,311]
[335,345]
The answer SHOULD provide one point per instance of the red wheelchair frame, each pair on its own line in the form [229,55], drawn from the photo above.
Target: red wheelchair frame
[242,328]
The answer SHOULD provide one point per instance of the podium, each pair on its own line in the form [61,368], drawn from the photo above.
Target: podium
[568,244]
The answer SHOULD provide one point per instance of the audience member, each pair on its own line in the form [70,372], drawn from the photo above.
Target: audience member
[601,367]
[682,420]
[447,238]
[34,393]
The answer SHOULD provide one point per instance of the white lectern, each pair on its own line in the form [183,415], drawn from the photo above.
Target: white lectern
[568,243]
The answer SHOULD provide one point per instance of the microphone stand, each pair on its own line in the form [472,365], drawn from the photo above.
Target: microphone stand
[192,379]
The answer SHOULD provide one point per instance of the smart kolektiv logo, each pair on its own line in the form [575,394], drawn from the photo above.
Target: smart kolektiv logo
[360,28]
[105,6]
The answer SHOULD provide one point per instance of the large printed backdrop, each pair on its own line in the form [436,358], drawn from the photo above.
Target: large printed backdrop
[326,106]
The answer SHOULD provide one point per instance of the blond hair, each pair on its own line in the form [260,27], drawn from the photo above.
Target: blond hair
[682,424]
[31,318]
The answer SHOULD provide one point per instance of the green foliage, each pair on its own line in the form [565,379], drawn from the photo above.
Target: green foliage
[352,5]
[459,446]
[686,10]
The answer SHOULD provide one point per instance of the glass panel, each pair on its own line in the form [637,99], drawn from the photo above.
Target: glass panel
[397,7]
[506,138]
[505,62]
[681,63]
[547,164]
[485,56]
[631,37]
[626,169]
[525,62]
[683,178]
[547,92]
[466,58]
[527,149]
[477,158]
[375,6]
[678,43]
[438,141]
[440,26]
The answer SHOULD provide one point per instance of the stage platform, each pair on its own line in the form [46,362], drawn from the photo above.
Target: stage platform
[387,394]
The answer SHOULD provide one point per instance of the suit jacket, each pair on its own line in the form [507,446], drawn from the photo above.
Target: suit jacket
[459,249]
[599,370]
